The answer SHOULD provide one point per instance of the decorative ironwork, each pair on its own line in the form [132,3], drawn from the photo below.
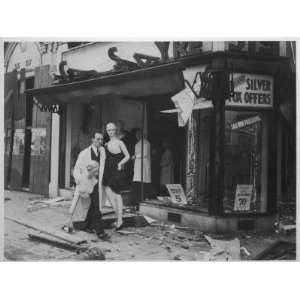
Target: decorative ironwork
[51,108]
[144,60]
[206,84]
[70,74]
[122,65]
[163,48]
[67,74]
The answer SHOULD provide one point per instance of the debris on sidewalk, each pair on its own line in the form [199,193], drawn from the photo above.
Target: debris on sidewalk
[224,250]
[50,231]
[125,232]
[68,228]
[245,251]
[129,220]
[55,242]
[150,220]
[93,253]
[279,250]
[285,228]
[36,204]
[177,257]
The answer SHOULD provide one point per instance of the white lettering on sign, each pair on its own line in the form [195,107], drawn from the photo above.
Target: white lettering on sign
[243,196]
[177,194]
[252,90]
[246,122]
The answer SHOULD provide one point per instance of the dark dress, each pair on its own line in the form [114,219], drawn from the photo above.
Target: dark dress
[112,177]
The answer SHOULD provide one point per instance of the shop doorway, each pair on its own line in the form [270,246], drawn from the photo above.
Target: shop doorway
[163,130]
[27,138]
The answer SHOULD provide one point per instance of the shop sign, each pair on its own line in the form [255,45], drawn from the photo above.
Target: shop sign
[38,141]
[18,147]
[184,102]
[246,122]
[252,90]
[243,196]
[177,194]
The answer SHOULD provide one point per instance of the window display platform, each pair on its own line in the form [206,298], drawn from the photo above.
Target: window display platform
[197,218]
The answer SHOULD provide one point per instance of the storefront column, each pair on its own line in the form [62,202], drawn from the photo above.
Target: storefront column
[54,167]
[264,169]
[68,145]
[191,160]
[217,144]
[279,160]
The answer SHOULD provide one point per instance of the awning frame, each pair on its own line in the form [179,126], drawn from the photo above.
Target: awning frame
[164,79]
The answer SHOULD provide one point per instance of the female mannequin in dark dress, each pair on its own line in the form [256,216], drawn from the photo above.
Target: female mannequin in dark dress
[116,156]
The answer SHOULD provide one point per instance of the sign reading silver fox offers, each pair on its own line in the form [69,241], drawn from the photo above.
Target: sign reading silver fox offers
[252,90]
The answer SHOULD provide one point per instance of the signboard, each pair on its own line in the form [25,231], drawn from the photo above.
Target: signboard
[184,102]
[245,122]
[243,196]
[18,147]
[177,194]
[252,90]
[38,141]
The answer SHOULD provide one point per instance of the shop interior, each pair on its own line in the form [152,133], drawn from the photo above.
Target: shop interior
[161,130]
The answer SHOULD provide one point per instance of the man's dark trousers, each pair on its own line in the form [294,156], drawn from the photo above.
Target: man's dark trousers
[93,218]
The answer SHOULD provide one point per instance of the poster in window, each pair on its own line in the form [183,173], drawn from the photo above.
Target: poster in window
[7,139]
[38,141]
[18,147]
[177,194]
[243,196]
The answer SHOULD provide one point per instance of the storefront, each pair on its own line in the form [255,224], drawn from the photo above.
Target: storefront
[227,157]
[27,128]
[235,149]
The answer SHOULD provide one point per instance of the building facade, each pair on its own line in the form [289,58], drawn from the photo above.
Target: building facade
[234,158]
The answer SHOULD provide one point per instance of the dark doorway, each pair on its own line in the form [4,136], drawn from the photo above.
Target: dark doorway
[164,127]
[28,126]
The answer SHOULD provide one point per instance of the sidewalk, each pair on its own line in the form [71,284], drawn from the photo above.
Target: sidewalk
[140,244]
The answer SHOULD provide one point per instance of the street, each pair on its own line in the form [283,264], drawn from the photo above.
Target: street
[149,243]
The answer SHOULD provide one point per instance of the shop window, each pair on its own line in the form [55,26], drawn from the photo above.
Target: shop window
[246,162]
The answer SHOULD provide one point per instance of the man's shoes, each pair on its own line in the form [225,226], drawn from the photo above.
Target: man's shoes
[104,237]
[89,230]
[120,227]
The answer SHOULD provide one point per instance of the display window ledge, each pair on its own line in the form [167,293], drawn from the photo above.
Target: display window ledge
[204,210]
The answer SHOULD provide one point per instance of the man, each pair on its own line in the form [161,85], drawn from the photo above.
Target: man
[93,221]
[122,132]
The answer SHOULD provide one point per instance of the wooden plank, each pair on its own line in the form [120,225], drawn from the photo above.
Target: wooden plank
[48,230]
[55,242]
[40,160]
[10,92]
[17,163]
